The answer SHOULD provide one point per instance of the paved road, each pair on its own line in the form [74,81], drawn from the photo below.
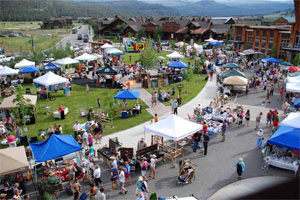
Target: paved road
[72,38]
[214,171]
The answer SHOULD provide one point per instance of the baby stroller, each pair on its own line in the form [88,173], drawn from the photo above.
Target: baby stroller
[186,175]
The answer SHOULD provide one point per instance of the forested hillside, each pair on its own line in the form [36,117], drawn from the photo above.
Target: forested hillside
[33,10]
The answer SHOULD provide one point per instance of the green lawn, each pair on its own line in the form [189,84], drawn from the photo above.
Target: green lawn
[136,56]
[190,89]
[20,25]
[79,99]
[23,44]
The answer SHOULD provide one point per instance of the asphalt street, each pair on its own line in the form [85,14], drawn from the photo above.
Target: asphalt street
[72,38]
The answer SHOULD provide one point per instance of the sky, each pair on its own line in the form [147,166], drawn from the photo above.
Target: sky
[226,1]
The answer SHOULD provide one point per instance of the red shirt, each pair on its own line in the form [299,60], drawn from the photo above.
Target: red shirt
[11,139]
[204,128]
[60,108]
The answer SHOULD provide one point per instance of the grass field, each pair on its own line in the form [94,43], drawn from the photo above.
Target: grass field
[20,25]
[79,99]
[136,56]
[190,89]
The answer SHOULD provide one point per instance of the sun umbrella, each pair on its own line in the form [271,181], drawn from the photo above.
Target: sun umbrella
[129,83]
[235,80]
[271,60]
[231,65]
[215,43]
[293,69]
[286,64]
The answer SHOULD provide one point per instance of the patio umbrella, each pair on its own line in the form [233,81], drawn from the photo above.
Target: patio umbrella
[293,69]
[215,43]
[231,65]
[286,64]
[235,80]
[129,83]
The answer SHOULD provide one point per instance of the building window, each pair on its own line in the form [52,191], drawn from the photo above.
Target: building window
[250,39]
[281,55]
[271,34]
[256,48]
[270,45]
[257,33]
[263,44]
[239,38]
[285,35]
[239,30]
[256,43]
[297,42]
[264,33]
[284,43]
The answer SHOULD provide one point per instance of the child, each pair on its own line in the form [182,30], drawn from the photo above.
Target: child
[122,181]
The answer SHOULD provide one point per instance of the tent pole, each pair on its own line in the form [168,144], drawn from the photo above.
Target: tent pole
[175,153]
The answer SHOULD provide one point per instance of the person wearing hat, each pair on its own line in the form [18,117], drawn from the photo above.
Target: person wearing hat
[240,167]
[141,144]
[16,190]
[153,161]
[3,196]
[259,138]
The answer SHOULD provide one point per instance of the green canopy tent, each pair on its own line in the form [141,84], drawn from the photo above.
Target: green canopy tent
[233,73]
[231,66]
[286,64]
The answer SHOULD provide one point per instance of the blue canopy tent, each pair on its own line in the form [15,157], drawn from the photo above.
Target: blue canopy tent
[51,67]
[127,94]
[215,43]
[178,64]
[297,103]
[287,137]
[29,70]
[54,147]
[271,60]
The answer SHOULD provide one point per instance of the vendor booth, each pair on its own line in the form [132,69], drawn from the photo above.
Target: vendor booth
[292,79]
[24,63]
[86,57]
[231,66]
[235,80]
[233,73]
[129,95]
[293,87]
[8,104]
[106,77]
[176,129]
[178,64]
[66,61]
[271,60]
[284,146]
[106,45]
[6,71]
[50,67]
[175,55]
[114,51]
[29,70]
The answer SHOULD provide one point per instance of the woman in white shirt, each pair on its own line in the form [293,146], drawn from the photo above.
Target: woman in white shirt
[152,166]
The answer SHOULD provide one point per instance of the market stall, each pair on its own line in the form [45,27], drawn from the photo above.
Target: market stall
[175,55]
[6,71]
[238,83]
[85,57]
[233,73]
[129,95]
[50,67]
[24,63]
[293,87]
[176,129]
[29,70]
[284,146]
[231,66]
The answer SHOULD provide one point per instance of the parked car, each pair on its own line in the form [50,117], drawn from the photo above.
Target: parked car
[79,27]
[26,35]
[85,38]
[164,43]
[2,50]
[1,35]
[13,35]
[74,31]
[79,37]
[3,58]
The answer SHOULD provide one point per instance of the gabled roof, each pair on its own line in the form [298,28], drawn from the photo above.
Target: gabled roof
[220,28]
[199,31]
[183,30]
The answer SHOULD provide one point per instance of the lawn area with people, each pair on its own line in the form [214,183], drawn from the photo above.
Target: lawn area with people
[78,100]
[189,91]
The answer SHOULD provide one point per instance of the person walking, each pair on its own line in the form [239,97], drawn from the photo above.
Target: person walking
[127,173]
[197,138]
[122,181]
[247,117]
[92,193]
[113,177]
[205,142]
[269,118]
[240,167]
[76,189]
[99,104]
[259,138]
[223,128]
[87,88]
[97,175]
[100,194]
[175,106]
[257,120]
[144,166]
[153,161]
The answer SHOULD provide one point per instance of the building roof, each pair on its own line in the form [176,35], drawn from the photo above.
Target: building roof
[183,30]
[220,28]
[248,21]
[290,19]
[199,31]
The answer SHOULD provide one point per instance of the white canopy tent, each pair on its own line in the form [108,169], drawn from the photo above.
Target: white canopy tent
[211,40]
[105,46]
[180,44]
[293,87]
[6,71]
[292,120]
[50,79]
[199,48]
[86,57]
[173,127]
[113,51]
[235,80]
[175,54]
[24,63]
[293,79]
[66,61]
